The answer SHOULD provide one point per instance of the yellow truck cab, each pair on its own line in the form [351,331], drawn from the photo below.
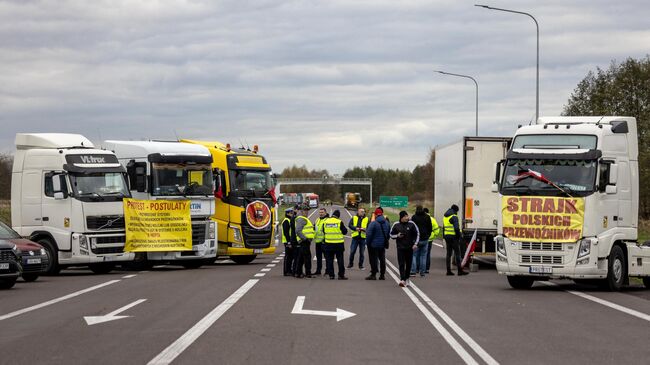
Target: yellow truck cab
[244,209]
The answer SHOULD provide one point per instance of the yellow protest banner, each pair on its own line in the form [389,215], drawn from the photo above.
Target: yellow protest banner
[157,225]
[542,218]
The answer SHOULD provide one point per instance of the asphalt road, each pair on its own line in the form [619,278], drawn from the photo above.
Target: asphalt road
[232,314]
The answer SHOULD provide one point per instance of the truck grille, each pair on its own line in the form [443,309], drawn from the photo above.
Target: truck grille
[198,232]
[97,222]
[540,259]
[256,238]
[542,246]
[108,240]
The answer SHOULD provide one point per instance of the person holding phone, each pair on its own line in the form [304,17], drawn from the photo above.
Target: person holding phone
[406,235]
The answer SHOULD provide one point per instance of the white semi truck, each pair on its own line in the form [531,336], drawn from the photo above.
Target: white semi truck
[67,196]
[464,175]
[569,191]
[172,171]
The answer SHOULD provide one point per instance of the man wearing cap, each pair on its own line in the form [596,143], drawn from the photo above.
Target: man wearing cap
[377,242]
[334,244]
[406,236]
[305,233]
[358,225]
[289,240]
[318,240]
[452,234]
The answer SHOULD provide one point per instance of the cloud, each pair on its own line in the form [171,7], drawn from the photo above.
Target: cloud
[329,84]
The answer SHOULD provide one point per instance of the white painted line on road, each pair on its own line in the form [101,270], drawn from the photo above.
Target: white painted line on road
[438,244]
[275,261]
[259,275]
[159,266]
[467,358]
[266,269]
[182,343]
[312,213]
[347,211]
[129,276]
[604,302]
[270,265]
[112,316]
[340,314]
[57,300]
[142,272]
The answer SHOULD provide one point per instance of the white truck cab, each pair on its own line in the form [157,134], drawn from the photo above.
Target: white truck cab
[569,203]
[67,196]
[173,171]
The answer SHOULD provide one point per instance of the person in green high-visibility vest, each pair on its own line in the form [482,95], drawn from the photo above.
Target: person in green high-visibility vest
[453,235]
[318,240]
[305,233]
[334,244]
[358,226]
[434,233]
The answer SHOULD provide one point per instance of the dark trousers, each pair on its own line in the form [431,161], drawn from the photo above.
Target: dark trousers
[404,261]
[319,258]
[429,255]
[303,259]
[329,262]
[453,249]
[377,258]
[288,260]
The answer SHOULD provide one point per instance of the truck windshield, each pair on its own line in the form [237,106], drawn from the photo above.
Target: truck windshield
[99,186]
[546,141]
[181,179]
[527,177]
[250,180]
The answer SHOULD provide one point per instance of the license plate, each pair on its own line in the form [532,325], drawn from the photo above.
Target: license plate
[540,270]
[33,261]
[4,266]
[258,250]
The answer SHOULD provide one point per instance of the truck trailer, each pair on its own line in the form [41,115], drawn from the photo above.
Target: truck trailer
[464,175]
[569,203]
[67,196]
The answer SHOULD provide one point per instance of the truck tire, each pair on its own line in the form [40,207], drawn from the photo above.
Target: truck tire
[7,283]
[30,277]
[101,268]
[616,270]
[53,267]
[192,264]
[520,282]
[646,282]
[243,259]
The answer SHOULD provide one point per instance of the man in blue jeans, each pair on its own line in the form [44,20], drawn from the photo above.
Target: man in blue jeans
[423,222]
[358,225]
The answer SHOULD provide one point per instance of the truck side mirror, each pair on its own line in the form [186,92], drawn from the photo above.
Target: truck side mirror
[137,172]
[495,187]
[218,185]
[59,195]
[59,190]
[610,189]
[613,174]
[497,176]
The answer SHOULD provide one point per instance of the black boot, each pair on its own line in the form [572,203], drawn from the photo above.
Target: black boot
[449,273]
[462,273]
[371,277]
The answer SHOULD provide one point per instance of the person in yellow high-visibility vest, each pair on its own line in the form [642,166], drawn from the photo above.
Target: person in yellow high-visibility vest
[453,235]
[358,226]
[305,233]
[435,231]
[318,240]
[334,244]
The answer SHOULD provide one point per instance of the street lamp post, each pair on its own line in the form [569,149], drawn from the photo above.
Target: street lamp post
[475,83]
[537,28]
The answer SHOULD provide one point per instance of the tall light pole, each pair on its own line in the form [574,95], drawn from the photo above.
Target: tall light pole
[475,83]
[537,27]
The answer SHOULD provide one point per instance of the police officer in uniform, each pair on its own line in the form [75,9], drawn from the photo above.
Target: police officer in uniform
[453,235]
[289,240]
[334,244]
[305,234]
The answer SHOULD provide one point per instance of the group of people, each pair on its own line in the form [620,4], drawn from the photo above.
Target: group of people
[413,237]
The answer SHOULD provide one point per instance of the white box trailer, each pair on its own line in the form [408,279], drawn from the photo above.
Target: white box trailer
[464,173]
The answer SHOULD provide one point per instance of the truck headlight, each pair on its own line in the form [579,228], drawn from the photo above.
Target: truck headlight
[83,241]
[212,230]
[585,247]
[501,245]
[236,234]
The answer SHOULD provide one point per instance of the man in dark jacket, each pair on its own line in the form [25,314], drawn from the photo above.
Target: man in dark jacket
[423,221]
[290,240]
[406,235]
[376,239]
[334,244]
[452,235]
[318,240]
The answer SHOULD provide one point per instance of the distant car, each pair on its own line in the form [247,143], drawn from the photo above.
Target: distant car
[33,257]
[9,264]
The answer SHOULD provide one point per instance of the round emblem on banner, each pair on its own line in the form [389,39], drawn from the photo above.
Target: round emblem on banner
[258,215]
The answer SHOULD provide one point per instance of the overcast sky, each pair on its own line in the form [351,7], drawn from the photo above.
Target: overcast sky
[329,84]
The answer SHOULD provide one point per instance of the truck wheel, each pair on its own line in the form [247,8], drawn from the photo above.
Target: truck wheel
[101,268]
[616,270]
[243,259]
[30,277]
[53,267]
[646,282]
[7,283]
[520,282]
[192,264]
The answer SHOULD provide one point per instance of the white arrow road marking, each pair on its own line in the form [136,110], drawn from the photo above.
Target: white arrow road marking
[90,320]
[340,314]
